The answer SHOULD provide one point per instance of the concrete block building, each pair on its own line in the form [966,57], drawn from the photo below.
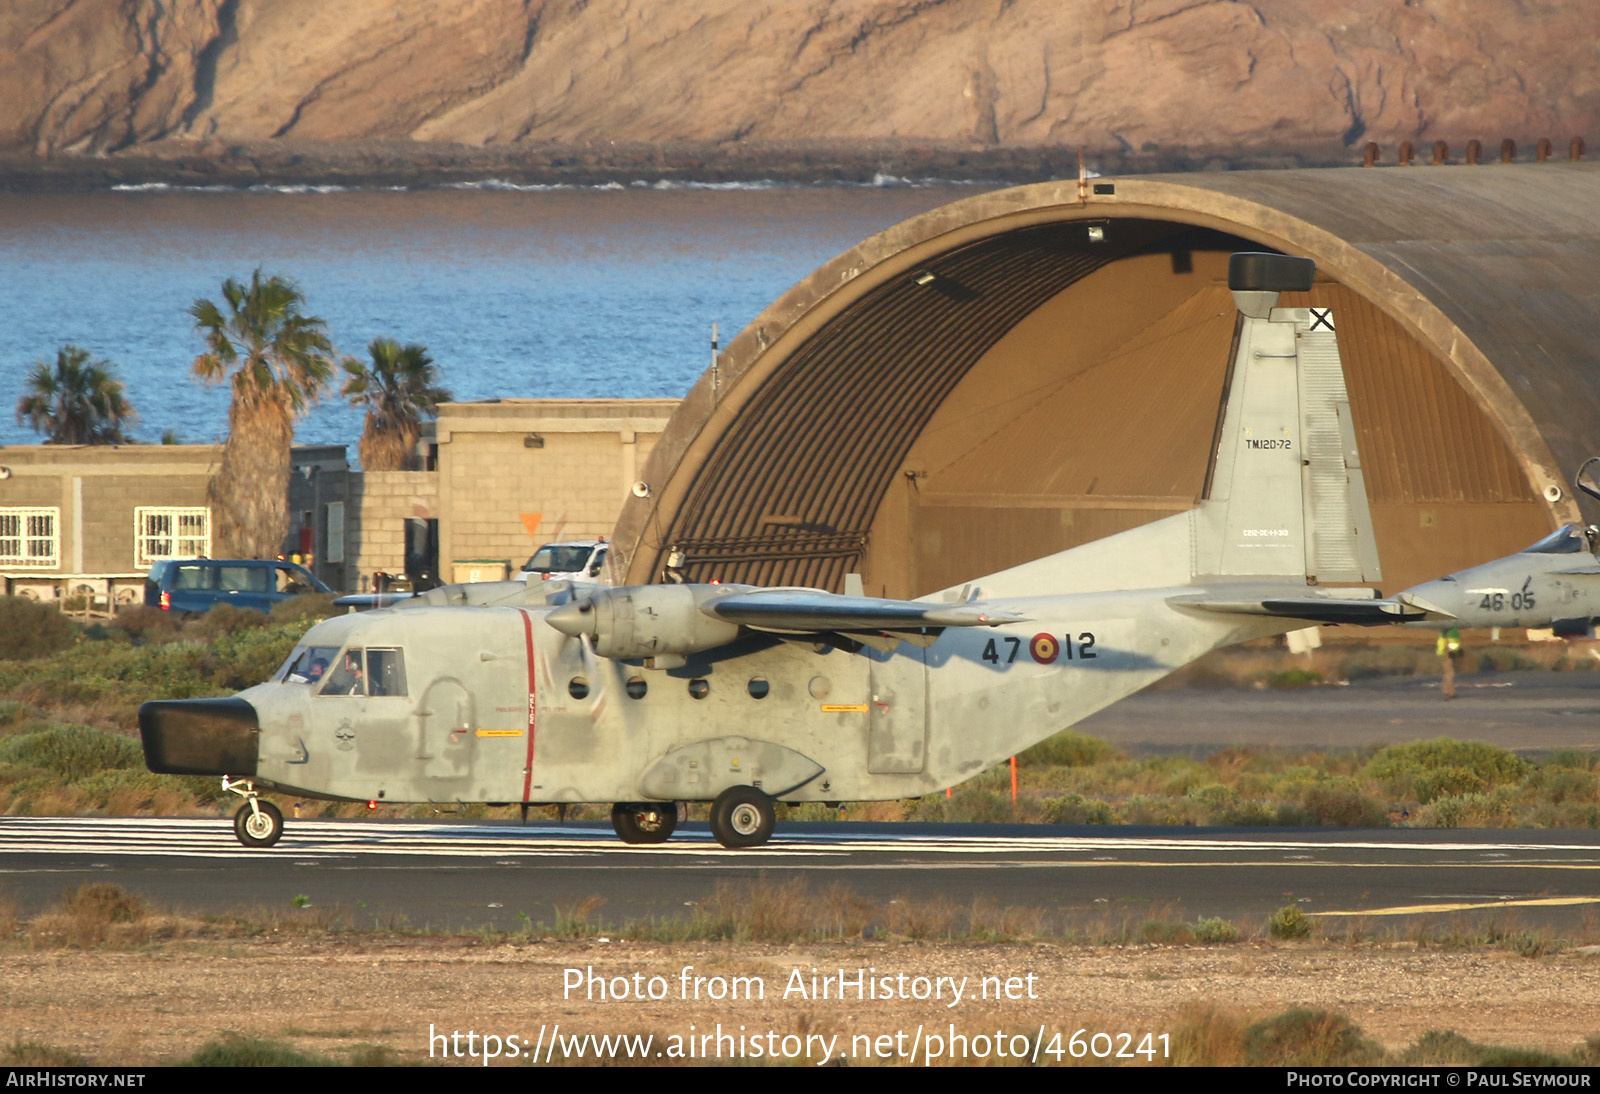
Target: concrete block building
[501,478]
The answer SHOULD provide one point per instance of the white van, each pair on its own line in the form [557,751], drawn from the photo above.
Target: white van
[574,560]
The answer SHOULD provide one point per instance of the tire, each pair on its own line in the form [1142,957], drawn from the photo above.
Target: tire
[742,816]
[261,829]
[644,822]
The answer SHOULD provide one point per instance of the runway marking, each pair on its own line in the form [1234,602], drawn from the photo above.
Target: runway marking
[1423,909]
[331,841]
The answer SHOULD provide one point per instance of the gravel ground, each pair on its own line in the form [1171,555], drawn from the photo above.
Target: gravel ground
[132,1007]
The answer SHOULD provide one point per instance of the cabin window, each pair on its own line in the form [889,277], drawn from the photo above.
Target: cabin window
[637,687]
[759,687]
[578,688]
[698,688]
[386,672]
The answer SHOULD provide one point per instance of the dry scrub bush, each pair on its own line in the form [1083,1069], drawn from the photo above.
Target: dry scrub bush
[30,630]
[88,915]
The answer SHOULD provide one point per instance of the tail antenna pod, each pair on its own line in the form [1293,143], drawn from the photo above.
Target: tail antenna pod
[1256,279]
[1588,477]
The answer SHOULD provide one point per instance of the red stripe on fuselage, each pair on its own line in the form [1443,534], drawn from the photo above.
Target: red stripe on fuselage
[533,704]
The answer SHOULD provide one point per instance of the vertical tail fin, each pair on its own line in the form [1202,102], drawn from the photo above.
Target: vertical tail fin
[1285,495]
[1285,501]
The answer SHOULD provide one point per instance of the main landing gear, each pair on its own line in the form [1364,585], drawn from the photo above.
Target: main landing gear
[741,816]
[257,823]
[644,822]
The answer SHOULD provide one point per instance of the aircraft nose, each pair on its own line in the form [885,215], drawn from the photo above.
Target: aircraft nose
[574,618]
[200,736]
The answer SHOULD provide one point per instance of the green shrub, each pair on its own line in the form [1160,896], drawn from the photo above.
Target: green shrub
[969,804]
[1309,1038]
[1441,1048]
[143,623]
[1251,814]
[1076,809]
[1289,922]
[70,752]
[1564,784]
[1068,749]
[1294,678]
[1444,767]
[236,1051]
[1511,1056]
[1339,803]
[1214,930]
[304,610]
[36,1054]
[1497,809]
[30,630]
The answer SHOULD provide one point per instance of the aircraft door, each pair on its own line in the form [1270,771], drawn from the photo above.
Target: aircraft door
[445,724]
[897,735]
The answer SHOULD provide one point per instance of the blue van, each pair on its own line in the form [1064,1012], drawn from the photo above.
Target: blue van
[198,584]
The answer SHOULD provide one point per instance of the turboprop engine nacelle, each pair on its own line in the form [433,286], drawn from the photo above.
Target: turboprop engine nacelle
[647,621]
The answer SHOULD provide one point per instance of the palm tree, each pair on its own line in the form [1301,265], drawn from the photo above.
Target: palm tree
[280,362]
[399,392]
[78,402]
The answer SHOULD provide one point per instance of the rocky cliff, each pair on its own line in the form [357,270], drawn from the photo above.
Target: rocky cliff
[95,76]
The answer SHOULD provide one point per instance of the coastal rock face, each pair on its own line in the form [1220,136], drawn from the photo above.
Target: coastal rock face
[103,75]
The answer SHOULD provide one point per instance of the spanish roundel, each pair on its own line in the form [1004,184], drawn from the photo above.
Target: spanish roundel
[1044,648]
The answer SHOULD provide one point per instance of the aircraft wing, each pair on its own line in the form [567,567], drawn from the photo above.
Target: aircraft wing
[798,611]
[1359,611]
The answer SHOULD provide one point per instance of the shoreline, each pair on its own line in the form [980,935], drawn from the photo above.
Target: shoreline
[413,165]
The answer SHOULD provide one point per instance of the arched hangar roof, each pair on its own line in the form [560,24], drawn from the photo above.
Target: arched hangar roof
[1032,368]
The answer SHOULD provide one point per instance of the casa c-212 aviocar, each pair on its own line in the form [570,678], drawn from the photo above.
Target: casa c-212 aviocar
[650,696]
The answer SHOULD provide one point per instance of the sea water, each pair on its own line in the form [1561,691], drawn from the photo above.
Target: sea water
[516,292]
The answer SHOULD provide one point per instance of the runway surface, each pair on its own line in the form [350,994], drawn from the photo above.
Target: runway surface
[461,875]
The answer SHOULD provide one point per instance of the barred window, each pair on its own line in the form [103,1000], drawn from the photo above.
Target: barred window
[160,533]
[30,537]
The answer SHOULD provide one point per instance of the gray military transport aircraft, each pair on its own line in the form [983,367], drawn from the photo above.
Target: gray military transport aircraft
[645,697]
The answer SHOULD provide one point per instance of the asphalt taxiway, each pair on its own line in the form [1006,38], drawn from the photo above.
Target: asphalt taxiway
[461,875]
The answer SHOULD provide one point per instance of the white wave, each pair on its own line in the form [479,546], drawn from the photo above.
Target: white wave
[297,188]
[167,187]
[692,184]
[506,184]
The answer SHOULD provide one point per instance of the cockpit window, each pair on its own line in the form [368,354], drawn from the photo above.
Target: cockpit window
[1563,541]
[366,672]
[348,675]
[307,665]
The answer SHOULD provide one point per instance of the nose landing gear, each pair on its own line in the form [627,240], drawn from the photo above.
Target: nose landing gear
[257,823]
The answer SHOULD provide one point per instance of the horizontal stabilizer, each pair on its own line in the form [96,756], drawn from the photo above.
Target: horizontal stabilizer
[800,611]
[1361,611]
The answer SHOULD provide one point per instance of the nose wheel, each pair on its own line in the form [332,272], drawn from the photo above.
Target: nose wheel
[257,823]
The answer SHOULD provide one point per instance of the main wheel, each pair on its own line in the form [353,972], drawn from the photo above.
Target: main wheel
[742,816]
[644,822]
[258,829]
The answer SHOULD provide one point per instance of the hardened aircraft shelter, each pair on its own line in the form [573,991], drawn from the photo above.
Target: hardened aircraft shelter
[1029,369]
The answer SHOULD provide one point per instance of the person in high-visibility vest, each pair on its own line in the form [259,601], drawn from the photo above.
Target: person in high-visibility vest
[1449,650]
